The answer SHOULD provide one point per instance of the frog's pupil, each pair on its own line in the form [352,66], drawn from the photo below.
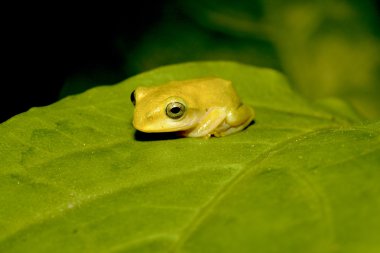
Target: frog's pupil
[175,110]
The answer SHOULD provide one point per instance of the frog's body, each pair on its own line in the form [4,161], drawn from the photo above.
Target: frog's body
[194,108]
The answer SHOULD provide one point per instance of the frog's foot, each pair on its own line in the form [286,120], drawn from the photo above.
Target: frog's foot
[232,130]
[218,122]
[240,116]
[207,125]
[237,120]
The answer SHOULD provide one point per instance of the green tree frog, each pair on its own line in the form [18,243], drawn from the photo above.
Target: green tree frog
[193,108]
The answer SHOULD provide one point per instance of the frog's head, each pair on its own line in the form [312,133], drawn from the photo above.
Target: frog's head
[157,111]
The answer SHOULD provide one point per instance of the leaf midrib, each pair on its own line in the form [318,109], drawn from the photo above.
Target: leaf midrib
[217,198]
[225,189]
[206,209]
[86,202]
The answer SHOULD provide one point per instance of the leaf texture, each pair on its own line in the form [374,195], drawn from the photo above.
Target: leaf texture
[76,177]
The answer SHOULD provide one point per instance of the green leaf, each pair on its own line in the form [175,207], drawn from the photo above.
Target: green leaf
[303,178]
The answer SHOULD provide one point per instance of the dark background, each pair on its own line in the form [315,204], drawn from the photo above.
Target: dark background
[45,45]
[50,51]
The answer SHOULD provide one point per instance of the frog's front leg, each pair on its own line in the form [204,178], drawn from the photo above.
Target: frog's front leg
[206,126]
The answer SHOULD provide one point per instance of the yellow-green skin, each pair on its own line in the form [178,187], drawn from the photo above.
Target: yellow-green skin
[213,108]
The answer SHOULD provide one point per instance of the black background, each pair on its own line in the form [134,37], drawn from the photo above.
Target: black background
[43,45]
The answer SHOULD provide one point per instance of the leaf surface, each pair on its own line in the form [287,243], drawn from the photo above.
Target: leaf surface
[75,177]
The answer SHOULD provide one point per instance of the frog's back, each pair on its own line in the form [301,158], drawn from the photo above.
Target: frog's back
[210,91]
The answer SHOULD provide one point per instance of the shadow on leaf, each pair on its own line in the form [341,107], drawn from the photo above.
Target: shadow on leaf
[141,136]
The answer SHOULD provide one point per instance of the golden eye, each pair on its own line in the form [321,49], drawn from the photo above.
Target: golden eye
[175,110]
[133,98]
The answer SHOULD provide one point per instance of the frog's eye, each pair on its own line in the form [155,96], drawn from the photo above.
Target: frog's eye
[133,98]
[175,110]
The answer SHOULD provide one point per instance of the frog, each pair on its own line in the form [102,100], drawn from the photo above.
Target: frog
[202,107]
